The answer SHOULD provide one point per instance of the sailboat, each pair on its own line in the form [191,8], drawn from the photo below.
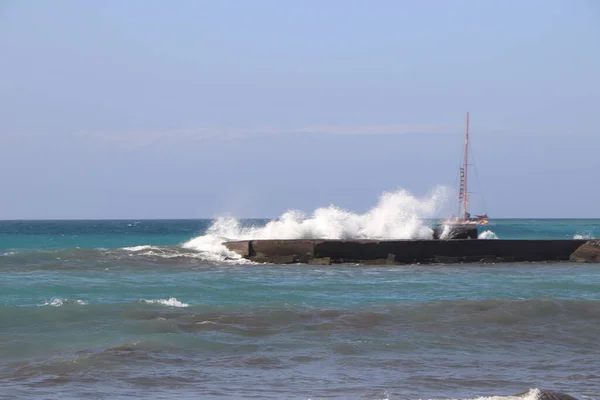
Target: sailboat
[464,216]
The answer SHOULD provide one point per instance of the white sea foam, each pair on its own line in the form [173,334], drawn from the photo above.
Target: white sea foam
[397,215]
[446,229]
[204,248]
[57,302]
[487,235]
[211,246]
[171,302]
[532,394]
[138,248]
[585,235]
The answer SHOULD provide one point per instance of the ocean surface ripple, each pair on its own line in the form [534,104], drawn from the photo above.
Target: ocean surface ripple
[113,309]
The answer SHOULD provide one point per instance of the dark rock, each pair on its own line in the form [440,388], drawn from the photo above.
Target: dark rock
[391,259]
[548,395]
[320,261]
[588,252]
[446,259]
[378,261]
[512,259]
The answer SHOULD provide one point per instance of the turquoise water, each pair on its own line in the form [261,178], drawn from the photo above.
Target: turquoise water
[98,234]
[124,233]
[114,309]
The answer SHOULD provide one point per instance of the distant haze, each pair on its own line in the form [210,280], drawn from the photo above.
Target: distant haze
[191,109]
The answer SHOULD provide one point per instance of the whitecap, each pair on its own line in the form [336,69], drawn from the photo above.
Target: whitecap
[171,302]
[57,302]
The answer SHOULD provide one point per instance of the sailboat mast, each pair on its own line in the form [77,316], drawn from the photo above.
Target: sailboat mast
[465,192]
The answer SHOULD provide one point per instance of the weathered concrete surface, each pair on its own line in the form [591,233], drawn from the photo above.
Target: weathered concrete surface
[283,247]
[451,251]
[588,252]
[241,247]
[295,250]
[404,251]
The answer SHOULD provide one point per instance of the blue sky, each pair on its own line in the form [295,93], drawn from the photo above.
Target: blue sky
[190,109]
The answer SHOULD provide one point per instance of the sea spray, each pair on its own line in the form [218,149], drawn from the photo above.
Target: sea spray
[397,215]
[488,234]
[446,229]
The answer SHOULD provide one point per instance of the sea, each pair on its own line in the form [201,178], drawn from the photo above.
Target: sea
[112,309]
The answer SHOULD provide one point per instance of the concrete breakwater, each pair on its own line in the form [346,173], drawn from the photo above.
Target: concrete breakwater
[324,251]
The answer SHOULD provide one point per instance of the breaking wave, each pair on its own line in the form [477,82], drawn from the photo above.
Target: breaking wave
[171,302]
[397,215]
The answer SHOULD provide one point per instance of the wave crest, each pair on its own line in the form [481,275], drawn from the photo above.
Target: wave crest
[57,302]
[171,302]
[397,215]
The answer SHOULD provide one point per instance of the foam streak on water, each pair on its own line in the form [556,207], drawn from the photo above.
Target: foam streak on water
[171,302]
[56,302]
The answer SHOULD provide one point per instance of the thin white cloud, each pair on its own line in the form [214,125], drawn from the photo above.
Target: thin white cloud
[376,129]
[132,140]
[136,139]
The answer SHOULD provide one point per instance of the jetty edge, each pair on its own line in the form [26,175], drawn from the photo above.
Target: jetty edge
[458,249]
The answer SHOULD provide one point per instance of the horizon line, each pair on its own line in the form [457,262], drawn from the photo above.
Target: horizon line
[257,218]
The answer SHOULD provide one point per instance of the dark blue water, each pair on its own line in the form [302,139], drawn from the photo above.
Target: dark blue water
[114,309]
